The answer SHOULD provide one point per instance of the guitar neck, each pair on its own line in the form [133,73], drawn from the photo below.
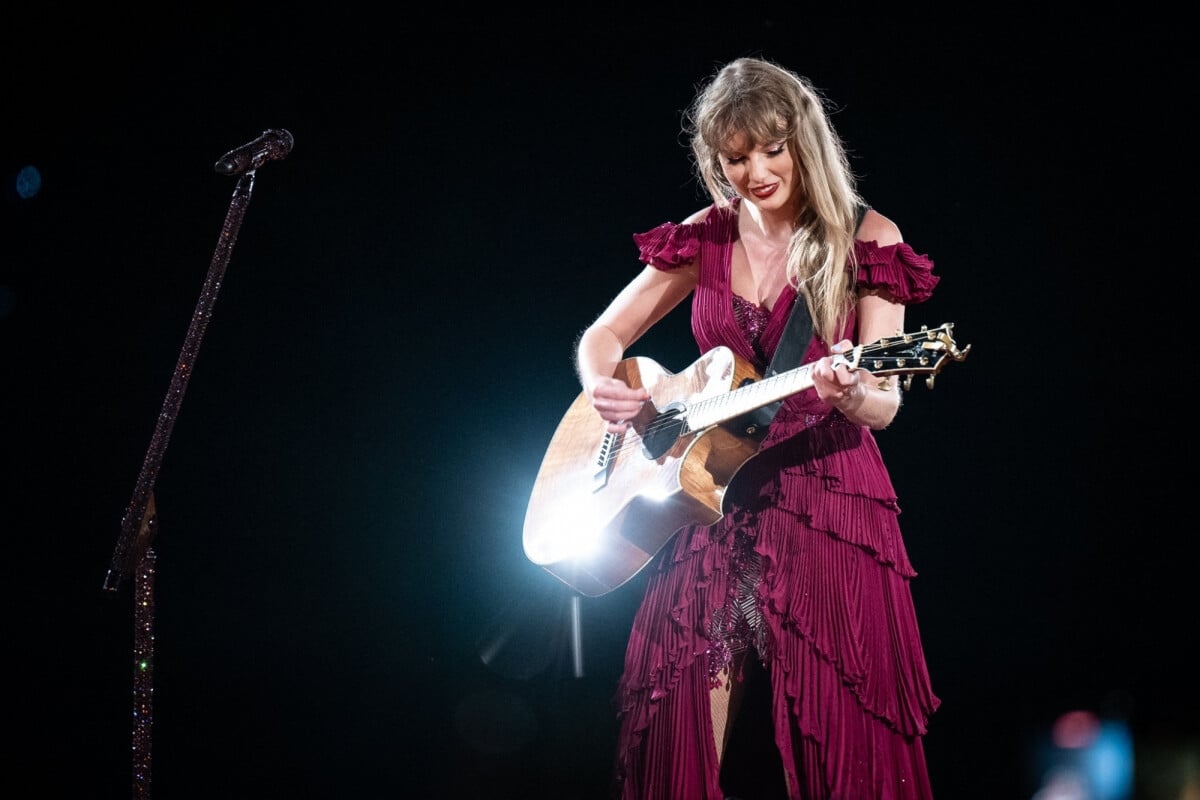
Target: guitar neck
[731,405]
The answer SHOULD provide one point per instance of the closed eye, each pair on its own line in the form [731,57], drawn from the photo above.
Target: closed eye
[771,151]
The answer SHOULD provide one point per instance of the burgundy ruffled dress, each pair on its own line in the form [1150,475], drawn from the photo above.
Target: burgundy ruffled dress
[807,567]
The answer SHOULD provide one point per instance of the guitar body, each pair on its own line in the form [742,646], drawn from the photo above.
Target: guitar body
[604,504]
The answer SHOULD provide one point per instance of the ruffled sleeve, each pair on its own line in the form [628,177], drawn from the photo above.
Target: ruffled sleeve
[668,246]
[905,274]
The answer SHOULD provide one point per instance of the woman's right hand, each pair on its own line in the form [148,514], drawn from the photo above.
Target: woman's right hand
[617,403]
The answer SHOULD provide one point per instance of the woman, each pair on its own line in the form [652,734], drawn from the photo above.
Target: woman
[804,583]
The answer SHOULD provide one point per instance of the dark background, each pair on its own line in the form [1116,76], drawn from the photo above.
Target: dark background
[342,604]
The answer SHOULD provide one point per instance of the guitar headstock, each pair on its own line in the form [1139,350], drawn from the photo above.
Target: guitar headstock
[924,352]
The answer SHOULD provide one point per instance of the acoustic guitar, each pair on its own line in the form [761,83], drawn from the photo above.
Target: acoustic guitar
[604,504]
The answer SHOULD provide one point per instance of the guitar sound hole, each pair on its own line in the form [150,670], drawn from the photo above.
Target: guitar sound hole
[662,433]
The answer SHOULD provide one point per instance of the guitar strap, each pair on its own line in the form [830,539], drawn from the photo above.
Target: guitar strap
[797,336]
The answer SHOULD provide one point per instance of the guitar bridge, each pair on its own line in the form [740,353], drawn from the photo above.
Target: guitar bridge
[604,460]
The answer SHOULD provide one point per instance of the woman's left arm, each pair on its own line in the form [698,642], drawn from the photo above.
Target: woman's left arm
[861,397]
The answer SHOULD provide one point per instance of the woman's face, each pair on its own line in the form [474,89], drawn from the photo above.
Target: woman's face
[764,175]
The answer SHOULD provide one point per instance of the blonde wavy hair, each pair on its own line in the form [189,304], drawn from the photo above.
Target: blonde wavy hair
[769,103]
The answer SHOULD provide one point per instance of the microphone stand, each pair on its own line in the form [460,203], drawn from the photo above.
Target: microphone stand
[134,553]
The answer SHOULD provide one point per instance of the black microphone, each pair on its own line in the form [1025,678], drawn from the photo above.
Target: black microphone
[274,144]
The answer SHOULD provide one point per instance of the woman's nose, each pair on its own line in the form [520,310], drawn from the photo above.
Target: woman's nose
[758,168]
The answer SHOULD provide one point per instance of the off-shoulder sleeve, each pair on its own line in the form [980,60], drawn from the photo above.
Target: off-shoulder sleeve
[668,246]
[905,274]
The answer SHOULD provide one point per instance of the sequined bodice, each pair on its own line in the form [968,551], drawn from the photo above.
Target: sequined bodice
[752,319]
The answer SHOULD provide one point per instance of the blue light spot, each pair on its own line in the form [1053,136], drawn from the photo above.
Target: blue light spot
[1110,762]
[29,182]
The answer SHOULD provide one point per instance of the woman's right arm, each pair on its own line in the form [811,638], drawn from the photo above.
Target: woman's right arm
[643,302]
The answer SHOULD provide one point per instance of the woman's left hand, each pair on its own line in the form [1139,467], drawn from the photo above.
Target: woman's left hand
[835,382]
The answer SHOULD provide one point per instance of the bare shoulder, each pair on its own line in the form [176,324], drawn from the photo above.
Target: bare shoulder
[879,229]
[698,216]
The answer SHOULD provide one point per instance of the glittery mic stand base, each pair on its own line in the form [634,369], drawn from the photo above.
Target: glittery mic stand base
[143,661]
[133,554]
